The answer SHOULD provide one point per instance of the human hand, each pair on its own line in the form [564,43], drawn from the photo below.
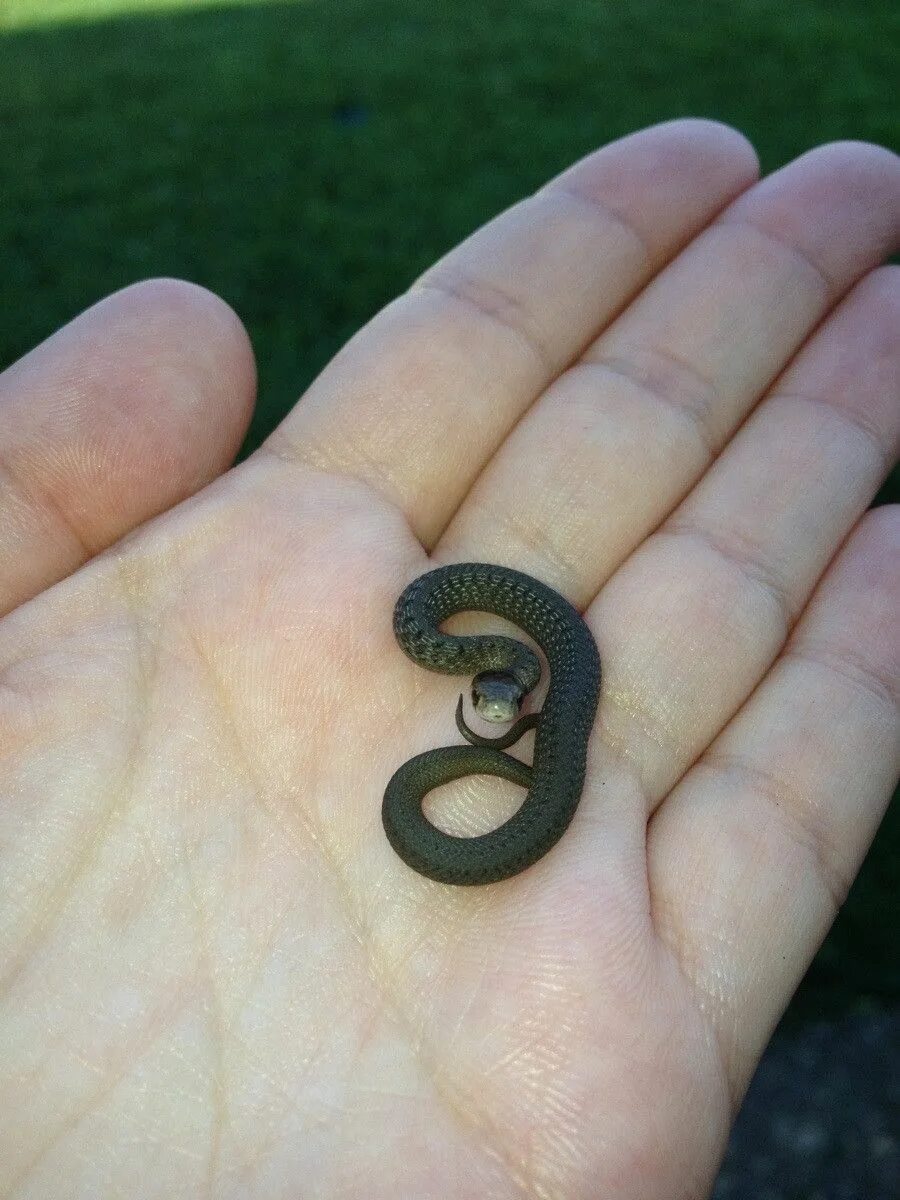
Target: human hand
[668,393]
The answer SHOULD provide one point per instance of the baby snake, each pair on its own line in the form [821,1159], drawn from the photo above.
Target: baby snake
[505,671]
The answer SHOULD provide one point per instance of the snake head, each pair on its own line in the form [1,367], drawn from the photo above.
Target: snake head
[497,695]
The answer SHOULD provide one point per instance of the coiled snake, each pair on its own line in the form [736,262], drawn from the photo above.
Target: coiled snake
[505,671]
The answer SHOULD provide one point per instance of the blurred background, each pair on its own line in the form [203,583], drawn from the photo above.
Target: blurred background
[306,160]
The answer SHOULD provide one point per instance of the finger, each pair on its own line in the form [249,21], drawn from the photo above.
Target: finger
[618,439]
[752,855]
[131,407]
[423,395]
[693,620]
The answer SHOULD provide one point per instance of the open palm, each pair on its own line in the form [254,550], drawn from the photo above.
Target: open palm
[666,391]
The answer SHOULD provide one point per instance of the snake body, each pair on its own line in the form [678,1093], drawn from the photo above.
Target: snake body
[556,777]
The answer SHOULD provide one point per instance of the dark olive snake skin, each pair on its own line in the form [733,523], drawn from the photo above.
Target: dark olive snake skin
[556,777]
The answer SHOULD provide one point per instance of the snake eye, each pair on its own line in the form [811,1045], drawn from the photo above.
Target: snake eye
[496,695]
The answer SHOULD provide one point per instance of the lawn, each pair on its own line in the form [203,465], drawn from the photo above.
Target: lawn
[307,160]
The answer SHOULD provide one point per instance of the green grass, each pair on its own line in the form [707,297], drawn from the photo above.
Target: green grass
[306,160]
[29,14]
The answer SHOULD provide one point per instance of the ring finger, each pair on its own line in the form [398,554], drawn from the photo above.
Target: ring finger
[694,619]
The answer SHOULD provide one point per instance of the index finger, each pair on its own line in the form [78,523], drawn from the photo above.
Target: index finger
[420,398]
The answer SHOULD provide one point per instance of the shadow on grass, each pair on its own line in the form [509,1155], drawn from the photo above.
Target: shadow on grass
[306,161]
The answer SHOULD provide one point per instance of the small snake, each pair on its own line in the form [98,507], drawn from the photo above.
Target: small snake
[507,670]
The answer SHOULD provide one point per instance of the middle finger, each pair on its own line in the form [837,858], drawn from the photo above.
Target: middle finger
[621,437]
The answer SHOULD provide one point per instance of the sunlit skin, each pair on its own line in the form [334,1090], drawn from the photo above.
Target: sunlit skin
[666,389]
